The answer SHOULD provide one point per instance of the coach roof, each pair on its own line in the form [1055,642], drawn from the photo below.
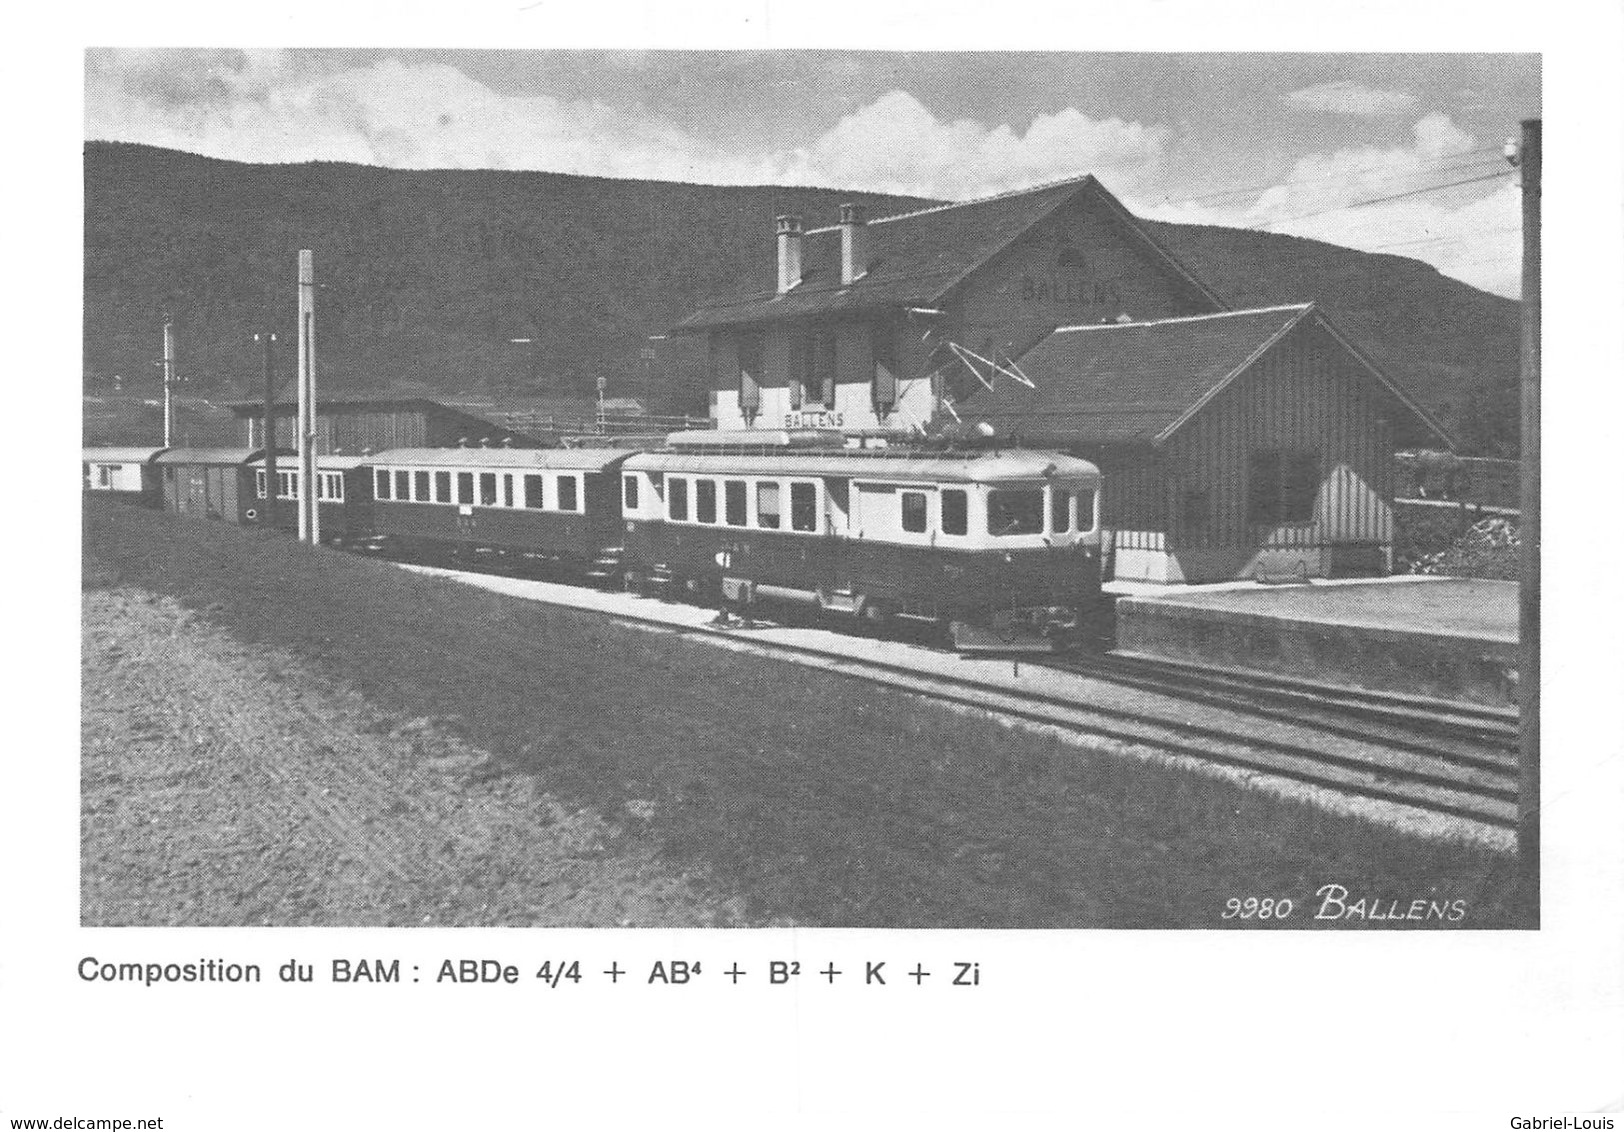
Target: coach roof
[955,467]
[569,459]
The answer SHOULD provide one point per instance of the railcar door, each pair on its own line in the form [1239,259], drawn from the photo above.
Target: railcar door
[197,491]
[838,503]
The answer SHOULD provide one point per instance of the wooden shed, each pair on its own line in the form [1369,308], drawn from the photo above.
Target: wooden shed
[1232,445]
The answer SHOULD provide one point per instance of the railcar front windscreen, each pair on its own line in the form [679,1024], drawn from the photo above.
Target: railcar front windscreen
[1016,511]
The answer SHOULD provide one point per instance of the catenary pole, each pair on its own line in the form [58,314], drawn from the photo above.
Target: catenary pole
[1528,811]
[309,513]
[267,433]
[169,380]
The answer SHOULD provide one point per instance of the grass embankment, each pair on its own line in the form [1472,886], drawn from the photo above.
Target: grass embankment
[813,797]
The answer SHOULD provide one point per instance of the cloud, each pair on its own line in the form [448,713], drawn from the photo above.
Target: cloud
[1348,97]
[1469,232]
[895,144]
[273,106]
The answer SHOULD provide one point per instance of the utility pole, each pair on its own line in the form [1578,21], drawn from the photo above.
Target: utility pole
[309,513]
[268,432]
[1528,812]
[168,364]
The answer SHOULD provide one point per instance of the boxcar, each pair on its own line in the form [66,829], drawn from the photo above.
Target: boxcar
[561,504]
[974,538]
[127,474]
[343,494]
[211,483]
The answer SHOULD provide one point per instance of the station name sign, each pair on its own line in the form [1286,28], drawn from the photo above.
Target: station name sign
[1068,289]
[814,420]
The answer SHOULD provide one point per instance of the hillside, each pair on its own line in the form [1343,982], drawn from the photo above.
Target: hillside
[427,274]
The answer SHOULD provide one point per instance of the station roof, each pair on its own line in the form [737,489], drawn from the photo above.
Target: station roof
[571,459]
[981,466]
[119,455]
[918,258]
[1138,383]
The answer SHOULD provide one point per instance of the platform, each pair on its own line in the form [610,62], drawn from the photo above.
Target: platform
[1449,638]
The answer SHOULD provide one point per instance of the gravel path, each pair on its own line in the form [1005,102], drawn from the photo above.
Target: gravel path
[222,785]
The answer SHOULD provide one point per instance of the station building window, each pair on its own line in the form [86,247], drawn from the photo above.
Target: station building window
[568,494]
[735,503]
[750,372]
[442,488]
[330,486]
[533,494]
[465,487]
[259,483]
[705,501]
[955,511]
[915,512]
[767,506]
[677,499]
[803,506]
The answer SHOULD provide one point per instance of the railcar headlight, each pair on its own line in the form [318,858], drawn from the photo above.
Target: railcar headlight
[1008,557]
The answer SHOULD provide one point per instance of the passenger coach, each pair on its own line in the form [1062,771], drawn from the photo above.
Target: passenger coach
[554,503]
[979,539]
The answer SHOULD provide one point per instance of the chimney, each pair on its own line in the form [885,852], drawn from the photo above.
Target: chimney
[789,252]
[853,242]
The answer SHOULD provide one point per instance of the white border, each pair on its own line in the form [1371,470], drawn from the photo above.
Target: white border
[1449,1031]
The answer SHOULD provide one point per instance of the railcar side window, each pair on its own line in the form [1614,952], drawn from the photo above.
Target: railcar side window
[803,506]
[566,494]
[629,488]
[955,511]
[1085,510]
[442,488]
[465,487]
[677,499]
[735,500]
[767,514]
[533,492]
[403,485]
[705,503]
[421,484]
[487,489]
[1059,510]
[507,490]
[915,512]
[382,491]
[1015,511]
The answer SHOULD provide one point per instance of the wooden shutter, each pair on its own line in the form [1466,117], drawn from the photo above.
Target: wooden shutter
[826,368]
[797,369]
[882,344]
[750,374]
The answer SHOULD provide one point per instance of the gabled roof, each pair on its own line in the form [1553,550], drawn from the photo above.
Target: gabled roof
[1138,383]
[919,257]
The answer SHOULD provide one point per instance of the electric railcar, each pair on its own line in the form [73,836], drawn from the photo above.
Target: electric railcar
[1000,540]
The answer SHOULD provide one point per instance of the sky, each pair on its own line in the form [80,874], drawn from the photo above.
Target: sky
[1307,144]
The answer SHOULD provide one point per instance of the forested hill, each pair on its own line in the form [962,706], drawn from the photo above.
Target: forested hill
[426,275]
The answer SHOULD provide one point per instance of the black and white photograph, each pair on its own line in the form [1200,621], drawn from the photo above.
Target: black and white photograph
[735,524]
[575,490]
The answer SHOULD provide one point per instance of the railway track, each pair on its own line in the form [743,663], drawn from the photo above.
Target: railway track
[1458,763]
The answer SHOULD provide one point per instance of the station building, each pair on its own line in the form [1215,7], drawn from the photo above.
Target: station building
[1233,443]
